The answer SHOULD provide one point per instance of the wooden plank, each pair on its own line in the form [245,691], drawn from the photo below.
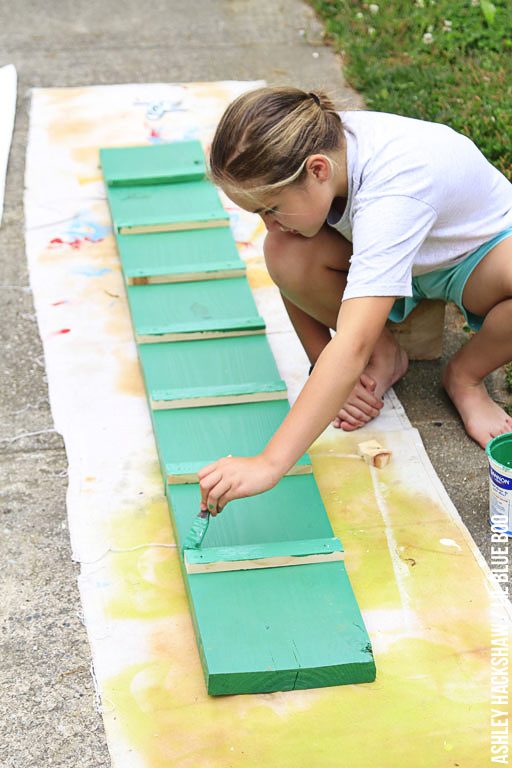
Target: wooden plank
[159,338]
[190,439]
[186,277]
[172,226]
[153,164]
[189,400]
[291,511]
[250,552]
[166,207]
[274,555]
[298,627]
[294,628]
[207,370]
[283,561]
[179,256]
[264,628]
[198,307]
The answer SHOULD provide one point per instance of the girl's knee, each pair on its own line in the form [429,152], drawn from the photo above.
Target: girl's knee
[294,261]
[285,257]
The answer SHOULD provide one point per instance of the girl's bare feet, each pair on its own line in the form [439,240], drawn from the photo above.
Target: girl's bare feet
[482,417]
[388,363]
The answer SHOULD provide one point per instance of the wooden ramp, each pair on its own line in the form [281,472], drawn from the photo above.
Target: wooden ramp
[271,602]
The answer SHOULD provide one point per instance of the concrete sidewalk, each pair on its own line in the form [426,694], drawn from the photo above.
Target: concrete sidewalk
[47,710]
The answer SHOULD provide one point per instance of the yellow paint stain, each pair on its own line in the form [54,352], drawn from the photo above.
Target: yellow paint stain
[86,164]
[129,376]
[167,718]
[432,689]
[144,580]
[144,584]
[71,130]
[148,521]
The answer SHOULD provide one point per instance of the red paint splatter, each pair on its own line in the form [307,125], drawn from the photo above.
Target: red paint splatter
[76,243]
[58,303]
[154,134]
[61,331]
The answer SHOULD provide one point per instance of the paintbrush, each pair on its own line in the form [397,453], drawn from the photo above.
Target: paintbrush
[198,531]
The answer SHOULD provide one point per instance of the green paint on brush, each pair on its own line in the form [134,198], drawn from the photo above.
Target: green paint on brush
[198,531]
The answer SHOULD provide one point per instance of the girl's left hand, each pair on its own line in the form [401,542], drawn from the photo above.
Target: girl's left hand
[234,478]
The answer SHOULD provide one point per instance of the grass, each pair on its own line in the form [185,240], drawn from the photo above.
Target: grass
[449,61]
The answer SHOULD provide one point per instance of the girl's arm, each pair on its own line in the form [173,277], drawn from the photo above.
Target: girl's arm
[344,358]
[313,335]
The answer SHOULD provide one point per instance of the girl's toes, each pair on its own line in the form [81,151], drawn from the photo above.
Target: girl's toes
[368,382]
[348,427]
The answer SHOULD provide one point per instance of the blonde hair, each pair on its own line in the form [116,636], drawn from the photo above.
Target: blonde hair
[265,137]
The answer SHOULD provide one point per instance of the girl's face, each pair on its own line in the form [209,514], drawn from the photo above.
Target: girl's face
[299,209]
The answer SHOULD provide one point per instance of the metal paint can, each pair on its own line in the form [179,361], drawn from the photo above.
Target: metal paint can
[499,453]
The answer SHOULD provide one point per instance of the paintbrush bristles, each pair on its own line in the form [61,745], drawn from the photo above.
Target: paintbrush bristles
[198,531]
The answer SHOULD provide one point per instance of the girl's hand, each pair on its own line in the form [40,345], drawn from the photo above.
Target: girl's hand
[234,478]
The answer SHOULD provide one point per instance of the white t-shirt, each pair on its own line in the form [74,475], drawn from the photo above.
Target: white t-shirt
[420,197]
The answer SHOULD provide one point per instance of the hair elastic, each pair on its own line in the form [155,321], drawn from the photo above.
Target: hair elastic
[315,98]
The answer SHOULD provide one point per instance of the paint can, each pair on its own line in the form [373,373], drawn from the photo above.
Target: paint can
[499,453]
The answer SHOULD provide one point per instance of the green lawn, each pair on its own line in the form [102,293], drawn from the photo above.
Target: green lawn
[446,60]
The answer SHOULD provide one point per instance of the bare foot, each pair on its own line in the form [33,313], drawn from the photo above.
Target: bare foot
[388,364]
[482,417]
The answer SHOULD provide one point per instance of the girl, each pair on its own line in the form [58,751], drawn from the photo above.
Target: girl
[367,213]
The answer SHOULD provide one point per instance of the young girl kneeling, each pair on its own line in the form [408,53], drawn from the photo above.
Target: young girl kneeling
[367,213]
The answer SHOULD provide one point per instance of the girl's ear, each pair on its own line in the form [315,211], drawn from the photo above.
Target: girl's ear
[319,166]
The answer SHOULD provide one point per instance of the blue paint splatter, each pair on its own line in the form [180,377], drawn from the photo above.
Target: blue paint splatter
[91,271]
[85,227]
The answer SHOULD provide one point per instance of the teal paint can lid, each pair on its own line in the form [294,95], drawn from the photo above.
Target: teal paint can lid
[499,454]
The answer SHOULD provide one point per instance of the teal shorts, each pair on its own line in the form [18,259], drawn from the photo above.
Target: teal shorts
[446,284]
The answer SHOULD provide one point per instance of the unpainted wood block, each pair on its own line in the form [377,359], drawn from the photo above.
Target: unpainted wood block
[374,453]
[421,333]
[168,162]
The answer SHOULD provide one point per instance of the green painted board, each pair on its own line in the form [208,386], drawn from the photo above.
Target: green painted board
[234,366]
[153,164]
[171,256]
[288,628]
[193,307]
[291,511]
[164,207]
[257,630]
[188,439]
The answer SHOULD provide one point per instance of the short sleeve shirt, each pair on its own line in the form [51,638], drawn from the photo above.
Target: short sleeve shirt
[420,198]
